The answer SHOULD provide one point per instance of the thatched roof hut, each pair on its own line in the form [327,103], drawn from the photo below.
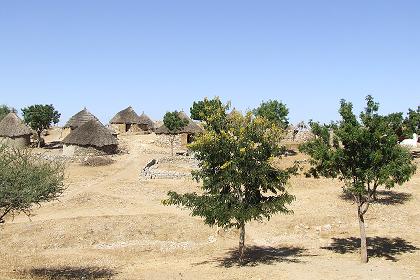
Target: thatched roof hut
[80,119]
[146,123]
[89,137]
[126,120]
[126,116]
[14,132]
[191,128]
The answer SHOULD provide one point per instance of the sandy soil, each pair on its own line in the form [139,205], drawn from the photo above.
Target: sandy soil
[110,224]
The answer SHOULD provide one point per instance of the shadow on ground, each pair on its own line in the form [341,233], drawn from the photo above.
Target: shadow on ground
[71,273]
[379,247]
[53,145]
[384,197]
[416,154]
[256,255]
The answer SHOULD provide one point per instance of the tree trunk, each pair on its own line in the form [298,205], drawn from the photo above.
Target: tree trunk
[363,244]
[39,138]
[241,243]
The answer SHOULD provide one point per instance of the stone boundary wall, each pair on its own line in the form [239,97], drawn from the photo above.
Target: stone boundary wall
[152,171]
[163,140]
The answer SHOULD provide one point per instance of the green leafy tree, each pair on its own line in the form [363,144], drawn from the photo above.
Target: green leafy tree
[27,180]
[211,111]
[274,111]
[202,109]
[362,153]
[395,123]
[174,123]
[412,122]
[240,182]
[40,117]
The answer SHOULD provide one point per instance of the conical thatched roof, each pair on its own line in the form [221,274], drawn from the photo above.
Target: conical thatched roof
[144,119]
[12,126]
[126,116]
[92,133]
[191,128]
[80,118]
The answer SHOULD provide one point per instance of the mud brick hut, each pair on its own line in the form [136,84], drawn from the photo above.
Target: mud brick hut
[92,138]
[77,120]
[183,137]
[13,132]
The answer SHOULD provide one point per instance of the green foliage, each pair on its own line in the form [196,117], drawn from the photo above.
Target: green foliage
[412,122]
[239,181]
[274,111]
[27,180]
[40,117]
[211,112]
[203,109]
[174,122]
[363,154]
[395,122]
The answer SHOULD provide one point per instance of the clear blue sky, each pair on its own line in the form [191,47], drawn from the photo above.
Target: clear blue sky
[163,55]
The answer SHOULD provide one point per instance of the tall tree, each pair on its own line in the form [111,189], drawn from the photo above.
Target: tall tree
[27,180]
[274,111]
[40,117]
[362,153]
[412,122]
[240,183]
[174,123]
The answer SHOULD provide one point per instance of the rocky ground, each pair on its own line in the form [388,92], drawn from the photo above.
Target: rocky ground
[110,224]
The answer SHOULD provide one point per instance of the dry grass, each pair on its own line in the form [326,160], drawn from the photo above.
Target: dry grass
[110,224]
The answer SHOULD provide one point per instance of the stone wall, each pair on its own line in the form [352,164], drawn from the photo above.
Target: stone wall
[163,140]
[73,150]
[180,141]
[152,170]
[17,142]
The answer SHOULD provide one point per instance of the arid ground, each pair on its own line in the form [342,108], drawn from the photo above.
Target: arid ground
[110,224]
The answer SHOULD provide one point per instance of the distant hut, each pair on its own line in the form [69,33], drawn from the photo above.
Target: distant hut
[126,120]
[146,124]
[77,120]
[186,134]
[91,138]
[14,132]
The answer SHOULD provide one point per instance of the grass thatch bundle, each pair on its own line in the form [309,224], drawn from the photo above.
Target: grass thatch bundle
[126,116]
[93,134]
[80,119]
[12,126]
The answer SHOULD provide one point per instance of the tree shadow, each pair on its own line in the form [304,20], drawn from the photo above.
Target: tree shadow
[385,197]
[256,255]
[377,247]
[53,145]
[72,273]
[415,154]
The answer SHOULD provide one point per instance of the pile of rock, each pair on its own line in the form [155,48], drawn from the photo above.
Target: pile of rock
[152,171]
